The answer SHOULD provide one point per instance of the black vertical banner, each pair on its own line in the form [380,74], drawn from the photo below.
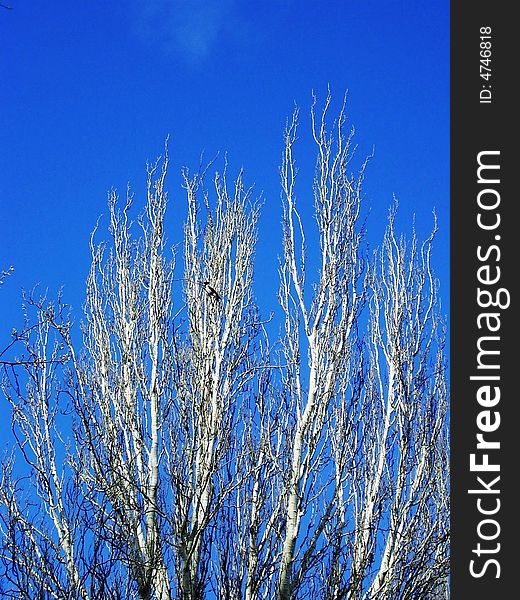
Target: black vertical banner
[485,261]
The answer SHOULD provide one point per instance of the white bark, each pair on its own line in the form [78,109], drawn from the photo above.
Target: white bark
[326,321]
[175,452]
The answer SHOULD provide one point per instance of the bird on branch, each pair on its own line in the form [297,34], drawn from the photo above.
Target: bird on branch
[211,291]
[206,286]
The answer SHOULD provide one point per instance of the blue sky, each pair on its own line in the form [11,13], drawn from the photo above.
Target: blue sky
[89,91]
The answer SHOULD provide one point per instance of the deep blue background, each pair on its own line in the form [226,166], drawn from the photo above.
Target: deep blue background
[89,91]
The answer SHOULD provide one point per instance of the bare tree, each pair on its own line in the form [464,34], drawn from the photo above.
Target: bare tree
[401,525]
[319,343]
[215,365]
[172,451]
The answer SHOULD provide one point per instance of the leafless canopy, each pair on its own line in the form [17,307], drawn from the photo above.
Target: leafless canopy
[170,450]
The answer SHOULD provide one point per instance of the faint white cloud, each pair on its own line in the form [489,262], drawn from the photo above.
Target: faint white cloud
[189,27]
